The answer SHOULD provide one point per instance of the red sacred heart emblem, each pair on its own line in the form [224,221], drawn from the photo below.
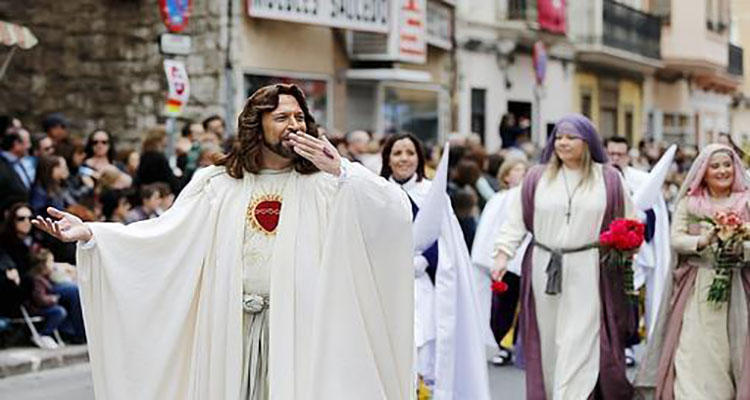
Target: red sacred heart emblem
[266,214]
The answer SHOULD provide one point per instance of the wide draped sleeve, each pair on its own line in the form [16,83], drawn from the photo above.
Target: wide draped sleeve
[140,286]
[513,230]
[682,241]
[363,336]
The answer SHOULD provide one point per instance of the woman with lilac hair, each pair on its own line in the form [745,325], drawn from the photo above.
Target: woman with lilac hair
[574,312]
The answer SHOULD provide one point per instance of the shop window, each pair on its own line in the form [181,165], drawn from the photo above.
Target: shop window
[412,110]
[629,128]
[316,92]
[478,114]
[608,122]
[586,104]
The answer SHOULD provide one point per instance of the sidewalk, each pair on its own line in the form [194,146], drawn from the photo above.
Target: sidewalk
[21,360]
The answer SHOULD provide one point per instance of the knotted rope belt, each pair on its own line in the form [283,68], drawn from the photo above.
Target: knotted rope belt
[554,267]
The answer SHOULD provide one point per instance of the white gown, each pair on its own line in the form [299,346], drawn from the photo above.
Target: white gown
[568,323]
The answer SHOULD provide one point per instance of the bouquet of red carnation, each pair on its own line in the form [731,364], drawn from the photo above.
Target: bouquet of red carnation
[624,237]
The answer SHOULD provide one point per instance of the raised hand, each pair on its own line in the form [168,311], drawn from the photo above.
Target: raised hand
[65,226]
[319,151]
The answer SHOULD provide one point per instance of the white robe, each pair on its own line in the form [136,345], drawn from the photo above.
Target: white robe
[162,298]
[653,259]
[482,253]
[447,320]
[424,290]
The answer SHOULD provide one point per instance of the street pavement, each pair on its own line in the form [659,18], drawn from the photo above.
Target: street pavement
[74,383]
[67,383]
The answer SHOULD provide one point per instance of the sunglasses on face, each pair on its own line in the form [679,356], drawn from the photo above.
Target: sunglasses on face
[22,218]
[100,141]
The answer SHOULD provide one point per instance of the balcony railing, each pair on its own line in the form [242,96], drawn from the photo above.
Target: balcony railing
[632,30]
[735,66]
[522,10]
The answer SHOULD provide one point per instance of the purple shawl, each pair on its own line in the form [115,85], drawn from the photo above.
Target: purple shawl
[577,124]
[616,318]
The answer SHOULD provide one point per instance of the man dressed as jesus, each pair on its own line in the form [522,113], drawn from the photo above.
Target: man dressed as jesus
[277,274]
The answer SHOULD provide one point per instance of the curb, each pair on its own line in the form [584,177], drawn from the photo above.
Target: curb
[16,361]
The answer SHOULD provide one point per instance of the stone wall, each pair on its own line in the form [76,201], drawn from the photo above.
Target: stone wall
[98,62]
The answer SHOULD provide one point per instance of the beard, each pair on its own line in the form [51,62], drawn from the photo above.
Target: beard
[281,150]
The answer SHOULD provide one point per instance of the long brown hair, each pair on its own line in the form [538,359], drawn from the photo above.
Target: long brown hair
[245,155]
[44,170]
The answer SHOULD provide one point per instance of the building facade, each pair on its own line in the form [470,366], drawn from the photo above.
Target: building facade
[379,65]
[495,69]
[691,95]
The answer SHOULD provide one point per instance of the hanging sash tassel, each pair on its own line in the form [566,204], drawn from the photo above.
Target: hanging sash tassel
[554,267]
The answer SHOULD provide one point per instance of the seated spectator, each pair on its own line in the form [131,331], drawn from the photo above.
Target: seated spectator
[58,303]
[129,160]
[49,187]
[150,203]
[80,181]
[50,191]
[167,197]
[115,205]
[154,166]
[13,293]
[11,290]
[100,150]
[111,178]
[16,240]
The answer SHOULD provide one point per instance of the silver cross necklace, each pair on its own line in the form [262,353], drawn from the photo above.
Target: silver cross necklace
[570,195]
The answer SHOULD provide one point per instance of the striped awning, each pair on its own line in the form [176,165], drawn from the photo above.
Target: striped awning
[16,35]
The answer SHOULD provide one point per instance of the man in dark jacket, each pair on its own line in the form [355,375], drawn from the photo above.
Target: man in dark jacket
[14,179]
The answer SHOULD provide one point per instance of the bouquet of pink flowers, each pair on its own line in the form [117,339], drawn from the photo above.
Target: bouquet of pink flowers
[727,250]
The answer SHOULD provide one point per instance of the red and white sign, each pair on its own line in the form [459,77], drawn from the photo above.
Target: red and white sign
[179,87]
[551,15]
[412,32]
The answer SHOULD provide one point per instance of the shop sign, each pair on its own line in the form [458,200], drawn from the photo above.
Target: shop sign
[175,13]
[170,43]
[357,15]
[179,87]
[411,40]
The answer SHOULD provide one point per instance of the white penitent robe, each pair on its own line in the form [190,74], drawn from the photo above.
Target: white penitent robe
[447,321]
[424,294]
[569,322]
[494,214]
[162,298]
[652,260]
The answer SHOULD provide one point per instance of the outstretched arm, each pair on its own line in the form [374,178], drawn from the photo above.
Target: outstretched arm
[63,226]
